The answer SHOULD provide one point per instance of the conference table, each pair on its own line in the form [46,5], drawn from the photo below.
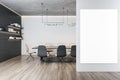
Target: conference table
[51,47]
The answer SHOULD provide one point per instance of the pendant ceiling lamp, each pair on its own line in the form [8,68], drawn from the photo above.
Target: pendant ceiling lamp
[45,20]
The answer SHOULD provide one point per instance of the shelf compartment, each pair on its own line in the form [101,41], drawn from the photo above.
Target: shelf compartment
[16,28]
[14,39]
[9,33]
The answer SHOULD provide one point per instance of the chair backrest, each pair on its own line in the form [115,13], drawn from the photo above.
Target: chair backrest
[42,51]
[61,51]
[73,51]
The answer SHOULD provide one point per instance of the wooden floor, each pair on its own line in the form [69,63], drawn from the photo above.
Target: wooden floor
[20,68]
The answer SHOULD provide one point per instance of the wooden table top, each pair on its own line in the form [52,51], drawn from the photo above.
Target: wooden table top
[52,47]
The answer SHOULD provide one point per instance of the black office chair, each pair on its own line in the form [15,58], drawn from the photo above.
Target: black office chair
[61,51]
[73,51]
[42,52]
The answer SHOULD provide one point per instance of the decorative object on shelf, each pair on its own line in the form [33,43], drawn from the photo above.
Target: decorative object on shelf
[11,30]
[15,25]
[14,38]
[2,29]
[11,37]
[18,38]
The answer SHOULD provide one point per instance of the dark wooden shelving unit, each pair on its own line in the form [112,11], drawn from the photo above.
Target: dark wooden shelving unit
[9,49]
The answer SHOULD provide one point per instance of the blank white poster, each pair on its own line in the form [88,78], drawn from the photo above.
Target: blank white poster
[98,36]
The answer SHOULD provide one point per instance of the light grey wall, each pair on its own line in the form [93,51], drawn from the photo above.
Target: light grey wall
[97,4]
[36,33]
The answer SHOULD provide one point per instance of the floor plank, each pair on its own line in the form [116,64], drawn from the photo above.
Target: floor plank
[21,68]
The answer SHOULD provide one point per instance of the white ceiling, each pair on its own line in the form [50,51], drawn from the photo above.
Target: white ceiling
[33,7]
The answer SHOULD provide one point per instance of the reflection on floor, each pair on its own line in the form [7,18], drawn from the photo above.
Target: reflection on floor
[21,68]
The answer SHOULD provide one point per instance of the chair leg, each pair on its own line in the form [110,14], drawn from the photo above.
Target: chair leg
[41,58]
[28,57]
[62,59]
[31,56]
